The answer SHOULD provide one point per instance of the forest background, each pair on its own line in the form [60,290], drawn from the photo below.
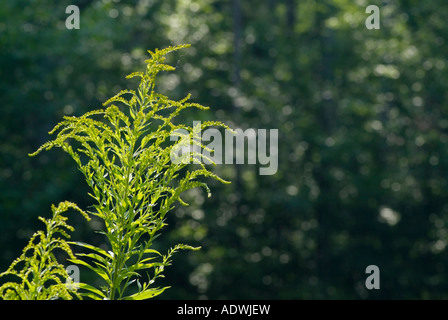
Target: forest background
[363,137]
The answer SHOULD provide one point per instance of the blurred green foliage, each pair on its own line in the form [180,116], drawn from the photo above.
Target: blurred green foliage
[363,133]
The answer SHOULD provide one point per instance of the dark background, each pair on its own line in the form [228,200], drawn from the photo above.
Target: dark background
[363,136]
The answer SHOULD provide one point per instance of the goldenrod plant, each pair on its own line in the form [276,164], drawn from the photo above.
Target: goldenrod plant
[38,274]
[125,154]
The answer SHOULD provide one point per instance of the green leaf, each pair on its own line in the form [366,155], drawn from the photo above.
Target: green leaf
[146,294]
[89,246]
[99,271]
[94,292]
